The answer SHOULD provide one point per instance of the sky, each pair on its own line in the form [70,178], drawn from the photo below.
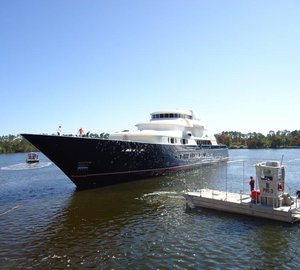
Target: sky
[106,65]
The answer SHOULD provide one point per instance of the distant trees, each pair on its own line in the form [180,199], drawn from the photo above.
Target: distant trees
[15,144]
[285,138]
[233,139]
[102,135]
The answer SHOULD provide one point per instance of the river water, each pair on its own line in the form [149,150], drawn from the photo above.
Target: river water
[46,224]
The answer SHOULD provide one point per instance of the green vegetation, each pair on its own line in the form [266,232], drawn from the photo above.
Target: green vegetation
[233,139]
[102,135]
[16,144]
[279,139]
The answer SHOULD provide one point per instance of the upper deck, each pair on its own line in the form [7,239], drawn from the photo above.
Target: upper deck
[169,127]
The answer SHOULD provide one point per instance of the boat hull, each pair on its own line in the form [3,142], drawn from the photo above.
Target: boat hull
[92,162]
[32,161]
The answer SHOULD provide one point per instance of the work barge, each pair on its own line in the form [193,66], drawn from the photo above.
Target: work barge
[268,200]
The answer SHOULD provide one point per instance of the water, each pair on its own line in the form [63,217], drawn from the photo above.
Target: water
[46,224]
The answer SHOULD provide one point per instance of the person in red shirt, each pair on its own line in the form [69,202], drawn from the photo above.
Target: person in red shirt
[80,131]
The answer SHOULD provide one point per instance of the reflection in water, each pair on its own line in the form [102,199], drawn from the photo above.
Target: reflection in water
[101,226]
[272,247]
[24,229]
[46,224]
[99,218]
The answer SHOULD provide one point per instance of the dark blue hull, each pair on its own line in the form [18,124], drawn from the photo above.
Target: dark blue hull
[91,162]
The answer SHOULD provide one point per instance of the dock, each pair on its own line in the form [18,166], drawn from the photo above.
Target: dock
[269,201]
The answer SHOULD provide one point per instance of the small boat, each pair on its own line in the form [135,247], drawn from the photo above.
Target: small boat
[32,157]
[269,200]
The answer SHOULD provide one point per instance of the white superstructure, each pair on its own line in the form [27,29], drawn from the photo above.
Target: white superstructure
[169,127]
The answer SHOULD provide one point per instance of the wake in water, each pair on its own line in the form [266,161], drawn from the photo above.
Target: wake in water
[161,195]
[293,160]
[6,212]
[26,166]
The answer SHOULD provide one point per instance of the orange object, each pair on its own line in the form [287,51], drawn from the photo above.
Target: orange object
[255,194]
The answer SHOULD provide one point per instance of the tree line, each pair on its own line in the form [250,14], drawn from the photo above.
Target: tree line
[233,139]
[17,144]
[253,140]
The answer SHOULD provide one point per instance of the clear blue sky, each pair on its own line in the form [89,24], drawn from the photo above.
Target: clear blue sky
[106,65]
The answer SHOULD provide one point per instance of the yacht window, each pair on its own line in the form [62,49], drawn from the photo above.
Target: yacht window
[203,142]
[155,116]
[171,115]
[172,140]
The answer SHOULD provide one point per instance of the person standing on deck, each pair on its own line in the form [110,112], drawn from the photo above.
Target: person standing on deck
[59,131]
[80,131]
[251,183]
